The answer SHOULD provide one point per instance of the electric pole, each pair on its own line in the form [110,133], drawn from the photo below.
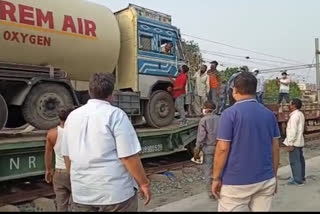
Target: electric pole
[317,68]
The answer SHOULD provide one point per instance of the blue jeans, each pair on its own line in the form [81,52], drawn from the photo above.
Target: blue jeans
[285,96]
[298,165]
[223,101]
[260,97]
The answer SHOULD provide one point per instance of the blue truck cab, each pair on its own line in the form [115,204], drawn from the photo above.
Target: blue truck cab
[151,50]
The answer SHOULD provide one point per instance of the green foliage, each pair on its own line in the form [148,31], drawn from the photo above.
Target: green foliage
[192,54]
[227,73]
[295,91]
[272,91]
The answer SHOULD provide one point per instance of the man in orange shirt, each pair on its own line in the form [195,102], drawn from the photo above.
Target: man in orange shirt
[214,83]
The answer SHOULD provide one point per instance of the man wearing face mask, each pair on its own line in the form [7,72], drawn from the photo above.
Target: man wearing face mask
[284,88]
[206,140]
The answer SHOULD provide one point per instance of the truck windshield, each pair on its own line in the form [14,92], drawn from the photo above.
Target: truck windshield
[179,51]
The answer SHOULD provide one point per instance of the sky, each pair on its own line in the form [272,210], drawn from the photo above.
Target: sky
[282,28]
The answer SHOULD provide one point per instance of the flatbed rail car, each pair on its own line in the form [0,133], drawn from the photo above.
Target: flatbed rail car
[311,112]
[22,154]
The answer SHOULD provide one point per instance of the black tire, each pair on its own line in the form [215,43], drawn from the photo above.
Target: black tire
[3,112]
[42,103]
[159,111]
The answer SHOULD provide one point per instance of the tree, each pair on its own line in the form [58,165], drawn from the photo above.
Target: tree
[192,54]
[227,73]
[271,91]
[295,91]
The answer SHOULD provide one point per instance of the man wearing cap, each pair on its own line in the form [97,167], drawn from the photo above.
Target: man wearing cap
[260,85]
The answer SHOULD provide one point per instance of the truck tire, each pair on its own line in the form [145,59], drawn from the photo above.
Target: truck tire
[3,112]
[159,111]
[42,104]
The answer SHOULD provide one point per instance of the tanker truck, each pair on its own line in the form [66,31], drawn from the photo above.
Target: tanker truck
[50,48]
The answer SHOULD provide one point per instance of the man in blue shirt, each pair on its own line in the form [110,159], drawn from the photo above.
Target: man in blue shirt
[247,152]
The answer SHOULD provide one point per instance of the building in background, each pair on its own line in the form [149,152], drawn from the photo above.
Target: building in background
[302,86]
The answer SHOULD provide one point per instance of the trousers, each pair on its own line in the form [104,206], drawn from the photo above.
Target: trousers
[179,104]
[130,205]
[254,197]
[298,165]
[214,97]
[284,96]
[62,189]
[198,104]
[208,153]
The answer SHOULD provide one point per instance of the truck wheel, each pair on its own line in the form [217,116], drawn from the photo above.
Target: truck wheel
[42,104]
[3,112]
[159,111]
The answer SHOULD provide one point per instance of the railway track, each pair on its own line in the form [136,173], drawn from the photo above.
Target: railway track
[167,163]
[16,192]
[24,191]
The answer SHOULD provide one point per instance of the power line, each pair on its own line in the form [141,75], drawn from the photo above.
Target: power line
[309,73]
[244,60]
[298,67]
[222,63]
[247,57]
[314,58]
[243,49]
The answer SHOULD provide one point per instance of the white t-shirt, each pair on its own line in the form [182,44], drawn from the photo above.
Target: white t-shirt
[57,150]
[96,136]
[284,88]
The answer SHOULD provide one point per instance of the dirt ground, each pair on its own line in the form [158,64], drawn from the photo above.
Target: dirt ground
[192,183]
[177,185]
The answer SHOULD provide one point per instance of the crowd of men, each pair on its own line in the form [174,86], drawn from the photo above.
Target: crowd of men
[97,166]
[210,86]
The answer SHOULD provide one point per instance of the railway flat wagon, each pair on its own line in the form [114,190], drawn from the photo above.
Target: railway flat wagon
[311,112]
[22,153]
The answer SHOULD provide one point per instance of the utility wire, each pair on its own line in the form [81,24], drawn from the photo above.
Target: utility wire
[247,57]
[244,60]
[287,68]
[243,49]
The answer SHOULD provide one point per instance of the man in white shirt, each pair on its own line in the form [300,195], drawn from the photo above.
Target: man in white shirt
[284,88]
[102,148]
[295,143]
[201,89]
[260,85]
